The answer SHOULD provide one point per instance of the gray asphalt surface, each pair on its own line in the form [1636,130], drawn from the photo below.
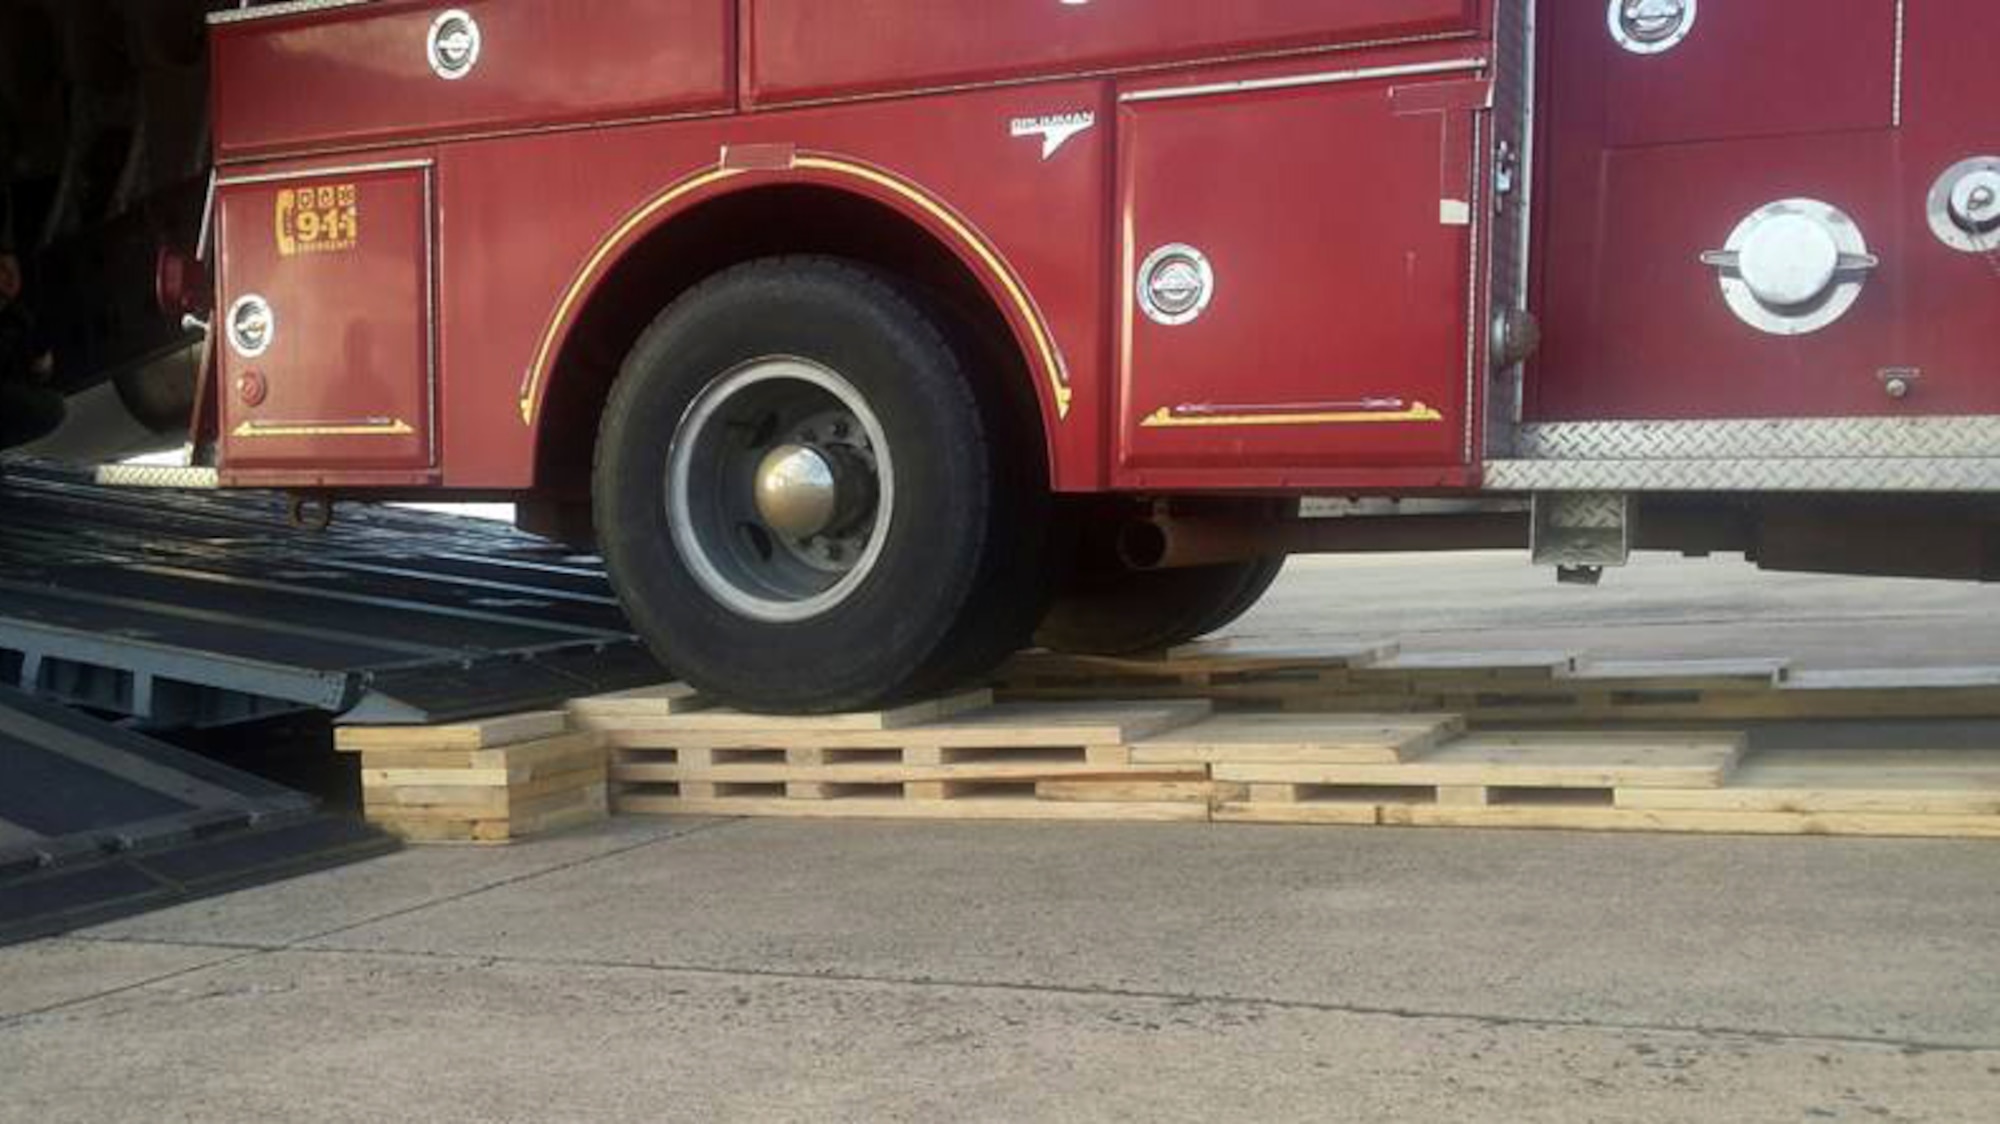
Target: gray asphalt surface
[745,970]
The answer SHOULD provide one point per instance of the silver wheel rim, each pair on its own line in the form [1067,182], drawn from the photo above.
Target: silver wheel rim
[794,411]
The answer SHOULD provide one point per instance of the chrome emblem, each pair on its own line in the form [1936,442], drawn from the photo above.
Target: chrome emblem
[1648,27]
[454,45]
[1055,131]
[1176,284]
[251,326]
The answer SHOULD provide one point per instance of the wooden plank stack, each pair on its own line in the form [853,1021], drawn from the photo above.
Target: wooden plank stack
[1495,688]
[1167,760]
[494,781]
[662,750]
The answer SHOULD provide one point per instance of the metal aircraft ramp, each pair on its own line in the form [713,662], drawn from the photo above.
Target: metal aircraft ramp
[203,608]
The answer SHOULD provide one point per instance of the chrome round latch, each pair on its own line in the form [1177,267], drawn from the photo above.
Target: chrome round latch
[454,45]
[251,326]
[1176,284]
[1964,205]
[1648,27]
[1793,267]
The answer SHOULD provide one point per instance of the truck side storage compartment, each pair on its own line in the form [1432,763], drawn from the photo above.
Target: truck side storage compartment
[1738,211]
[327,349]
[808,49]
[1298,268]
[354,76]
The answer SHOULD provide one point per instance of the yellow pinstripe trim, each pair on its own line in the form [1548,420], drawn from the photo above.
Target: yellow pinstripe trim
[393,427]
[1044,343]
[1164,418]
[539,370]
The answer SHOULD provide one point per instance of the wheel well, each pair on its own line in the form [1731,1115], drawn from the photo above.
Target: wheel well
[777,220]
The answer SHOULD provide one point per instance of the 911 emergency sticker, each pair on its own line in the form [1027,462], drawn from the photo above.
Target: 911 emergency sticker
[319,220]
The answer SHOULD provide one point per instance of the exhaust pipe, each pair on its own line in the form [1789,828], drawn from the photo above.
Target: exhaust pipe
[1173,543]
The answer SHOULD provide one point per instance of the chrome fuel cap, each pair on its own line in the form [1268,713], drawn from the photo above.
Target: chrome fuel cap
[1793,267]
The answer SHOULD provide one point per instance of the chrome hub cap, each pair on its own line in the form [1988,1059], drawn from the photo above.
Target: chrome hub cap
[796,491]
[779,490]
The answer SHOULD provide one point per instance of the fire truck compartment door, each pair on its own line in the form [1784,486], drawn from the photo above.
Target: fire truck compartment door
[1672,183]
[325,322]
[1331,229]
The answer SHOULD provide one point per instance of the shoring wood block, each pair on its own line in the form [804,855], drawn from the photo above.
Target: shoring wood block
[494,799]
[1001,726]
[971,808]
[1529,761]
[1300,739]
[489,831]
[738,723]
[658,701]
[486,734]
[1244,654]
[1708,822]
[998,770]
[1940,782]
[518,763]
[1558,818]
[520,819]
[1129,791]
[1752,674]
[1423,669]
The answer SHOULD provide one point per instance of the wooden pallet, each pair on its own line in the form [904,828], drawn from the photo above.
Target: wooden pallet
[495,781]
[1042,761]
[966,757]
[1500,688]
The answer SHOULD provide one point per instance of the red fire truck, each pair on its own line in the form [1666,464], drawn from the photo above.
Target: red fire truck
[870,338]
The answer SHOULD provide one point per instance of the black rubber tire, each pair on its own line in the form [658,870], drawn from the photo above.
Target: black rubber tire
[946,598]
[1137,612]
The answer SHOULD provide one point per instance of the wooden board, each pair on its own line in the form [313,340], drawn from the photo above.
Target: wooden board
[1617,819]
[1002,726]
[1243,655]
[1684,674]
[488,734]
[658,701]
[915,714]
[1177,811]
[1300,739]
[1528,760]
[1947,782]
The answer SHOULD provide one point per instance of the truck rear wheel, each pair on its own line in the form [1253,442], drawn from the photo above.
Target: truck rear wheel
[1134,612]
[804,501]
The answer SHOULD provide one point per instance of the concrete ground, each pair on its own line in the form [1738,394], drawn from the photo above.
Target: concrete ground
[763,970]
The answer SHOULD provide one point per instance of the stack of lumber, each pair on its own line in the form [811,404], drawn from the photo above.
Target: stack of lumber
[1293,769]
[663,750]
[955,758]
[1491,688]
[494,781]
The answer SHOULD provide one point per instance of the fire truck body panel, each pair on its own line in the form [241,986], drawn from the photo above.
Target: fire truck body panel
[1048,194]
[1652,160]
[800,50]
[357,76]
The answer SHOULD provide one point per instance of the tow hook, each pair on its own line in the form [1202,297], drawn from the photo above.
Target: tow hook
[312,511]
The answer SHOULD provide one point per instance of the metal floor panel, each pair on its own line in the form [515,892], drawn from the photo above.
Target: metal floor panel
[98,822]
[201,608]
